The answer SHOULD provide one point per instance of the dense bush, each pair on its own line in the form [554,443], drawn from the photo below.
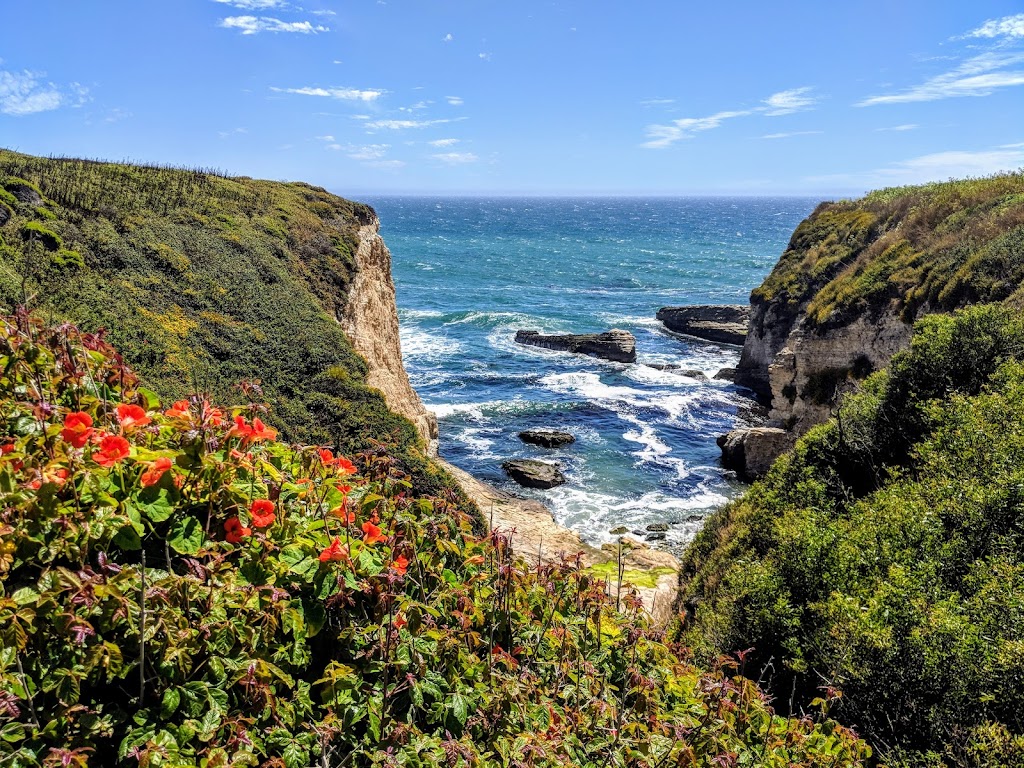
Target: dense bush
[179,588]
[885,556]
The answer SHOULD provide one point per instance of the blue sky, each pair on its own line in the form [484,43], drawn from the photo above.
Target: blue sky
[464,96]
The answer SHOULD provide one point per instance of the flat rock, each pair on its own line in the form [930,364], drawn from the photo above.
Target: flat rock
[751,452]
[531,473]
[657,527]
[616,345]
[546,438]
[722,323]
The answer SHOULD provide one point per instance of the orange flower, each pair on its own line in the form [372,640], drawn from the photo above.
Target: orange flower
[345,466]
[336,551]
[179,409]
[152,475]
[6,448]
[77,428]
[132,416]
[400,621]
[344,513]
[343,488]
[401,564]
[113,449]
[57,476]
[262,512]
[326,457]
[261,432]
[215,416]
[371,533]
[235,530]
[241,429]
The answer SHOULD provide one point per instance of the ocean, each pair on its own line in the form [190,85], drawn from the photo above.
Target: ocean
[469,272]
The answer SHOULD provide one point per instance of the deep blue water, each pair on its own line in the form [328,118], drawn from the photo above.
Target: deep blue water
[470,272]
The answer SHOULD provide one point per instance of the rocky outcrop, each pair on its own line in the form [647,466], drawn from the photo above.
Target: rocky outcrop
[616,345]
[546,438]
[531,473]
[370,321]
[724,323]
[751,452]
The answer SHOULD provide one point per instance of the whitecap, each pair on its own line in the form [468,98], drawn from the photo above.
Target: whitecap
[417,343]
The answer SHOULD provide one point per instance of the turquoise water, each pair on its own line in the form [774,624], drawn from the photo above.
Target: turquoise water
[470,272]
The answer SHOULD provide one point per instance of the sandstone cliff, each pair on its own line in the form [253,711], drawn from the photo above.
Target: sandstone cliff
[370,320]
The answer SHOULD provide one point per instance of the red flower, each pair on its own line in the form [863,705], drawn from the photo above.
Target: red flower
[400,621]
[241,429]
[326,457]
[77,428]
[261,432]
[113,448]
[401,564]
[6,448]
[371,533]
[180,408]
[152,475]
[132,416]
[235,530]
[344,512]
[215,416]
[345,466]
[262,512]
[343,488]
[336,551]
[57,476]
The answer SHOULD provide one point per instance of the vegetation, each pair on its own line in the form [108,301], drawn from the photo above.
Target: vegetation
[938,246]
[202,281]
[885,555]
[179,588]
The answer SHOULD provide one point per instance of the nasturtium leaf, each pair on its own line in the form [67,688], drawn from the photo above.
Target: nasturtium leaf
[127,539]
[156,502]
[186,536]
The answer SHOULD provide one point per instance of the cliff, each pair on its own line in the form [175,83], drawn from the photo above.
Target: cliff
[855,276]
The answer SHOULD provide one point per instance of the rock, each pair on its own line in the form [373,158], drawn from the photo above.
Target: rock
[619,530]
[725,323]
[616,344]
[657,527]
[693,373]
[534,474]
[547,438]
[5,214]
[24,193]
[663,366]
[726,374]
[694,518]
[656,536]
[751,452]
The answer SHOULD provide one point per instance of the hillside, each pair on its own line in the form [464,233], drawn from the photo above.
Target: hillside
[204,281]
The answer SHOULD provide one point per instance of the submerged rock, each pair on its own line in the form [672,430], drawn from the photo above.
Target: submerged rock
[531,473]
[547,438]
[724,323]
[751,452]
[616,345]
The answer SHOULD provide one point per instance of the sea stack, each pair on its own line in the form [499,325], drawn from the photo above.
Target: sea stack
[616,345]
[722,323]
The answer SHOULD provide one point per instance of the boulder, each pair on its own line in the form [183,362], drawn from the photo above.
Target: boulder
[618,531]
[693,373]
[616,345]
[24,193]
[546,438]
[5,214]
[657,527]
[751,452]
[531,473]
[725,374]
[724,323]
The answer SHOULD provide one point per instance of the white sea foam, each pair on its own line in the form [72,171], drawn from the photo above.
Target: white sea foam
[420,344]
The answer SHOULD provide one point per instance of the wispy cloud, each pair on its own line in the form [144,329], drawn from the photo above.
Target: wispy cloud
[485,56]
[937,166]
[23,93]
[233,132]
[367,151]
[447,38]
[456,158]
[790,134]
[400,125]
[455,101]
[656,102]
[787,102]
[253,5]
[660,136]
[1008,26]
[344,94]
[443,142]
[253,25]
[979,75]
[904,127]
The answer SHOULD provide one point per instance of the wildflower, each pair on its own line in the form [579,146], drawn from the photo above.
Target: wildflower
[262,513]
[112,449]
[342,511]
[345,466]
[371,533]
[77,428]
[6,448]
[343,489]
[178,410]
[400,621]
[336,551]
[327,457]
[213,416]
[235,530]
[57,476]
[132,416]
[400,565]
[156,470]
[261,432]
[241,429]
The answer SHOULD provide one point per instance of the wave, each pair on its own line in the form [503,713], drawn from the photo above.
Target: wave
[418,344]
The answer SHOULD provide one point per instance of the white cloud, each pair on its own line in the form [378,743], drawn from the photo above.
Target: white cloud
[252,5]
[1008,26]
[399,125]
[327,137]
[937,166]
[447,38]
[980,75]
[418,106]
[455,101]
[234,132]
[904,127]
[456,158]
[484,56]
[367,152]
[344,94]
[443,142]
[657,102]
[787,102]
[22,93]
[252,25]
[659,136]
[791,133]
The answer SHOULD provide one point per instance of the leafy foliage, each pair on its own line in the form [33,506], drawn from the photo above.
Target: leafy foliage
[884,556]
[179,588]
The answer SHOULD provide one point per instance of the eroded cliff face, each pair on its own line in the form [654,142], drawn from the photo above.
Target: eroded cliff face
[370,320]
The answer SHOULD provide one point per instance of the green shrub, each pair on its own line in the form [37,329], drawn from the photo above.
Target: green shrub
[34,232]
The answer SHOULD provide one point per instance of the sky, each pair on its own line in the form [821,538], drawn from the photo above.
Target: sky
[574,97]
